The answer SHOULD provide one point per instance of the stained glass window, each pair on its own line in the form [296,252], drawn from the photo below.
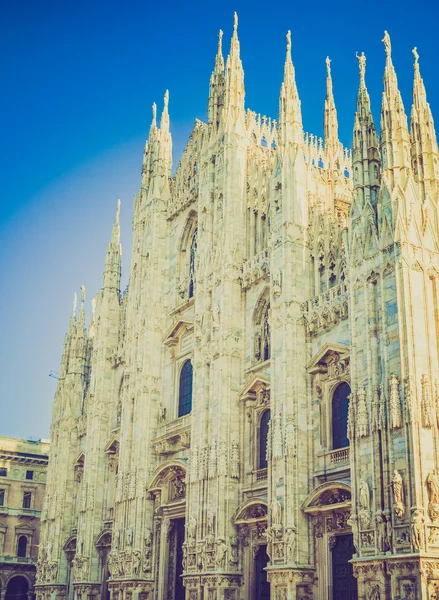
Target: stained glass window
[185,390]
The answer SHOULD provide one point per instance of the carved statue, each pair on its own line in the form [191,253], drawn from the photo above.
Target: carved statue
[417,529]
[398,493]
[433,487]
[209,524]
[136,561]
[276,513]
[374,593]
[192,528]
[387,44]
[129,537]
[221,551]
[364,496]
[362,63]
[290,544]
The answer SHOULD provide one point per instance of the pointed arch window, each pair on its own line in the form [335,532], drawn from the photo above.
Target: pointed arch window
[185,389]
[263,439]
[22,546]
[193,252]
[340,408]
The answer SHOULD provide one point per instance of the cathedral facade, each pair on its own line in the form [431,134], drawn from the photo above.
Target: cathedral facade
[257,415]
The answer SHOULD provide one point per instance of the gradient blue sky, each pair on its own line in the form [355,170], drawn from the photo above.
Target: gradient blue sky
[78,82]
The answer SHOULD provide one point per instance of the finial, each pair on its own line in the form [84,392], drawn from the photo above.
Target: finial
[235,22]
[220,39]
[75,302]
[362,64]
[82,294]
[416,55]
[387,43]
[166,99]
[118,209]
[154,111]
[288,41]
[328,66]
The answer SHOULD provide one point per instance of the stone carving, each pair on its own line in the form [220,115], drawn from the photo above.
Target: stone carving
[290,544]
[398,495]
[362,419]
[147,552]
[409,399]
[395,403]
[234,550]
[212,460]
[129,537]
[276,279]
[374,592]
[80,565]
[221,551]
[364,504]
[276,513]
[276,446]
[418,529]
[407,590]
[426,406]
[178,487]
[433,495]
[137,558]
[234,460]
[383,541]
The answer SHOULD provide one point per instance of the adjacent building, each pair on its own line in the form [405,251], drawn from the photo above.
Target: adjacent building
[23,470]
[257,415]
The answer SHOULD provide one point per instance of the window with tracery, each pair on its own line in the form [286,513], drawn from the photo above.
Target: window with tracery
[192,255]
[185,389]
[340,409]
[263,439]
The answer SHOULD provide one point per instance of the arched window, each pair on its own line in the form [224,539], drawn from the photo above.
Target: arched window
[340,406]
[266,342]
[263,439]
[185,389]
[22,545]
[193,252]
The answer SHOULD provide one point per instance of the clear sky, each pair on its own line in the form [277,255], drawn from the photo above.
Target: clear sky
[78,82]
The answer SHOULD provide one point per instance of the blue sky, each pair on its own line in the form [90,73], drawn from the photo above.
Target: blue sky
[78,83]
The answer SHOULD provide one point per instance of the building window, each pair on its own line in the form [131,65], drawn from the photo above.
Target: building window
[22,546]
[27,499]
[3,472]
[262,332]
[185,389]
[2,497]
[192,255]
[29,474]
[266,342]
[340,406]
[263,439]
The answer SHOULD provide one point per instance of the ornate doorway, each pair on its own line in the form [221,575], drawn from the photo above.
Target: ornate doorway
[262,587]
[17,589]
[344,584]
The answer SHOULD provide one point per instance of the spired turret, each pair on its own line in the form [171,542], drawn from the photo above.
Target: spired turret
[424,148]
[290,112]
[114,257]
[330,122]
[395,139]
[234,115]
[217,90]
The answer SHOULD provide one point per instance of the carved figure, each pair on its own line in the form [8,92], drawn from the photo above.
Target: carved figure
[276,513]
[290,544]
[192,528]
[387,44]
[418,529]
[210,524]
[129,537]
[398,492]
[221,551]
[374,593]
[136,561]
[364,496]
[433,487]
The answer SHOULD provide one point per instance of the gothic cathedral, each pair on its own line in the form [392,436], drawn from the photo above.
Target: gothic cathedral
[257,415]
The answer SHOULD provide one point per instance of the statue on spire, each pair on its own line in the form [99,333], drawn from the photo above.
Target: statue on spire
[235,22]
[416,55]
[328,66]
[288,41]
[82,294]
[362,64]
[387,43]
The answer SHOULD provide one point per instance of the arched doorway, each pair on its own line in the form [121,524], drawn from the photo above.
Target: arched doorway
[262,587]
[17,588]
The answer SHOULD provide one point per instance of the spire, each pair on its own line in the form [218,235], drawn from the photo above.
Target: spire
[366,156]
[219,60]
[394,130]
[330,123]
[92,325]
[165,136]
[424,148]
[81,315]
[114,254]
[290,114]
[234,102]
[216,91]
